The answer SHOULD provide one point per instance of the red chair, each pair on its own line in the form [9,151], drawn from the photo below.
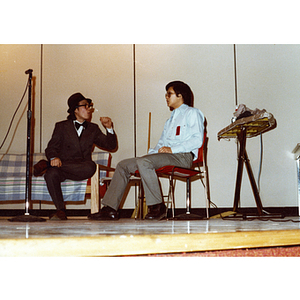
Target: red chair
[199,170]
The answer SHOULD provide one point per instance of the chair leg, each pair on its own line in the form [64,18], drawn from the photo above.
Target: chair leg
[207,193]
[171,193]
[188,196]
[205,184]
[137,202]
[170,197]
[141,199]
[167,196]
[95,201]
[140,206]
[187,215]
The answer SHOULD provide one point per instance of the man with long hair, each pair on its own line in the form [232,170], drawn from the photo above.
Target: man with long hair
[178,145]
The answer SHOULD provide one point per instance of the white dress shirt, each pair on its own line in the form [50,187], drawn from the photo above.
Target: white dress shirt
[183,132]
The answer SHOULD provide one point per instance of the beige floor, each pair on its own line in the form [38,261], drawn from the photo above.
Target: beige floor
[81,237]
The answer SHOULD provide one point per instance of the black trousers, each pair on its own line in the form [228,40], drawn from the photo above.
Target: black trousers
[69,170]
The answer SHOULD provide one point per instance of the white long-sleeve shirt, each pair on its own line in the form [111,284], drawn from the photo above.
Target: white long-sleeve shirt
[183,132]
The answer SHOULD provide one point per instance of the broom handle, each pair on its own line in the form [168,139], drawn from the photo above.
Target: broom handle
[149,131]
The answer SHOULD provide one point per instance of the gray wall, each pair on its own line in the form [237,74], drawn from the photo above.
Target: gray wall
[267,77]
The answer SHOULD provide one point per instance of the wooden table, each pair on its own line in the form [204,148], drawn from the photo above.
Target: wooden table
[242,129]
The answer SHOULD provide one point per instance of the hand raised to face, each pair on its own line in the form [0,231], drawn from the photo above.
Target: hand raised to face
[106,122]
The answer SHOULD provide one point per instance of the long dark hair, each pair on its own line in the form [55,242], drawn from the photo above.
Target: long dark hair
[182,88]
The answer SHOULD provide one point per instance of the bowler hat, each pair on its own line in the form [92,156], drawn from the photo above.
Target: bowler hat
[74,100]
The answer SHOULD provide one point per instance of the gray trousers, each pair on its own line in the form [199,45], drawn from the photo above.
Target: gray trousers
[146,165]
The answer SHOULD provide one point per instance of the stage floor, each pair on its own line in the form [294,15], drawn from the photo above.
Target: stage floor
[79,236]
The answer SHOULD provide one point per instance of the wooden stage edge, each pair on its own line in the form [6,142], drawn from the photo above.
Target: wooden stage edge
[126,245]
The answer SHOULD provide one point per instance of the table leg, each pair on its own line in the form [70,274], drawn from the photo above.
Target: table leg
[242,146]
[253,185]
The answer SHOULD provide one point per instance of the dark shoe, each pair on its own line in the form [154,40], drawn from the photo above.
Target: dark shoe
[106,213]
[40,168]
[59,215]
[156,212]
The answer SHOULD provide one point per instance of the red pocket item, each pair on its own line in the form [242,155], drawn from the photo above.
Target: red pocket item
[178,130]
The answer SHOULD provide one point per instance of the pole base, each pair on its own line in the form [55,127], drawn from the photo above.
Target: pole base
[26,218]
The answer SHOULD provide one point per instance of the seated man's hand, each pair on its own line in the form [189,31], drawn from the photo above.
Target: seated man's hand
[165,150]
[56,162]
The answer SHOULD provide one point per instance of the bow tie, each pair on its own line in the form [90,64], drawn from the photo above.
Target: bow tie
[77,125]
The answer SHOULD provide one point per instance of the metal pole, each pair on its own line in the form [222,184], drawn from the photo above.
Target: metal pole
[29,117]
[27,217]
[235,75]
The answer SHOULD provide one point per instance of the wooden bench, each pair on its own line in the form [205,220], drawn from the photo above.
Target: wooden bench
[13,181]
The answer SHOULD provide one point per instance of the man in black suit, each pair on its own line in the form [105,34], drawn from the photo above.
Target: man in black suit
[70,147]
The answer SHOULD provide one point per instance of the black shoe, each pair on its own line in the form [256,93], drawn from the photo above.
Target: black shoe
[40,168]
[59,215]
[106,213]
[156,212]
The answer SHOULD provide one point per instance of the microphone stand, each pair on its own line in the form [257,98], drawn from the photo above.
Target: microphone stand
[27,217]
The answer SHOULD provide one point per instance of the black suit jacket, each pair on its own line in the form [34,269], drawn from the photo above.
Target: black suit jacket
[66,145]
